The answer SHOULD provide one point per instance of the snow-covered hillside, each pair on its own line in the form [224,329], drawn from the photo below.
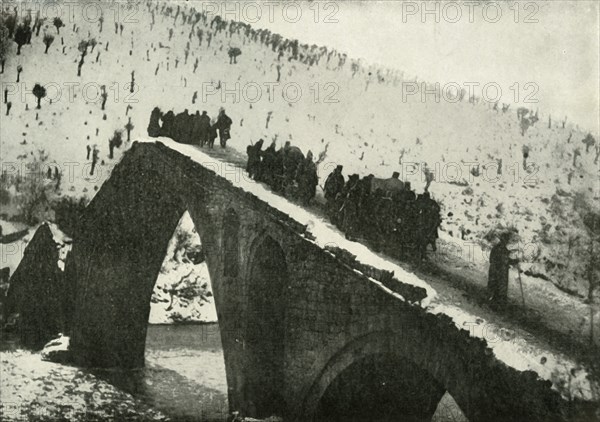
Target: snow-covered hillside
[341,109]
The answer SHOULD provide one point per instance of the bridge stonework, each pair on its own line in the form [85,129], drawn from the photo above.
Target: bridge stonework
[293,317]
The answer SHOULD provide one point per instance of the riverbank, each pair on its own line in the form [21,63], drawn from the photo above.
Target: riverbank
[184,379]
[33,389]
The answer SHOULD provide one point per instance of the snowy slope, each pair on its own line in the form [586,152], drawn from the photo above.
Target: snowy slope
[379,134]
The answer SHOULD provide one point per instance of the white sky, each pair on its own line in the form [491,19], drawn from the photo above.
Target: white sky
[559,53]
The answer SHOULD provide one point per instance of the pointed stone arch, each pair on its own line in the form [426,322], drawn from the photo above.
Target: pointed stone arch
[420,393]
[115,261]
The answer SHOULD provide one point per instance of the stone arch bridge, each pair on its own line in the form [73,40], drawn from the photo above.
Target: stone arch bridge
[306,334]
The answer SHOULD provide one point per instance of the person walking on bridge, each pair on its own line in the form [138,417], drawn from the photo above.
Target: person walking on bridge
[428,221]
[195,124]
[334,185]
[204,128]
[181,127]
[254,155]
[500,262]
[154,124]
[224,126]
[212,133]
[268,166]
[349,210]
[168,120]
[307,178]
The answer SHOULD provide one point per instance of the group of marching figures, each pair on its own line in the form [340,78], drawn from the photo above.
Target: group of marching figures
[191,128]
[385,212]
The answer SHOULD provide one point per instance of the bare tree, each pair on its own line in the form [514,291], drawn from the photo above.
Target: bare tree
[525,151]
[39,92]
[58,23]
[104,95]
[129,127]
[82,47]
[48,39]
[21,35]
[115,142]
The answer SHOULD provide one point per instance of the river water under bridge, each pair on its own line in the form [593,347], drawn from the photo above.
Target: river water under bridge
[185,376]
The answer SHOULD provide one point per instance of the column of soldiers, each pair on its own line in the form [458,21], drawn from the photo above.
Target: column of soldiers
[385,212]
[191,128]
[286,170]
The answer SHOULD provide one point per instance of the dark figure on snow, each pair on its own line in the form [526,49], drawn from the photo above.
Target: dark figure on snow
[500,262]
[334,185]
[349,210]
[291,157]
[188,129]
[168,120]
[181,127]
[94,160]
[272,168]
[385,214]
[394,185]
[407,219]
[195,137]
[306,176]
[224,126]
[365,204]
[408,194]
[428,221]
[154,125]
[254,154]
[212,133]
[204,130]
[89,149]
